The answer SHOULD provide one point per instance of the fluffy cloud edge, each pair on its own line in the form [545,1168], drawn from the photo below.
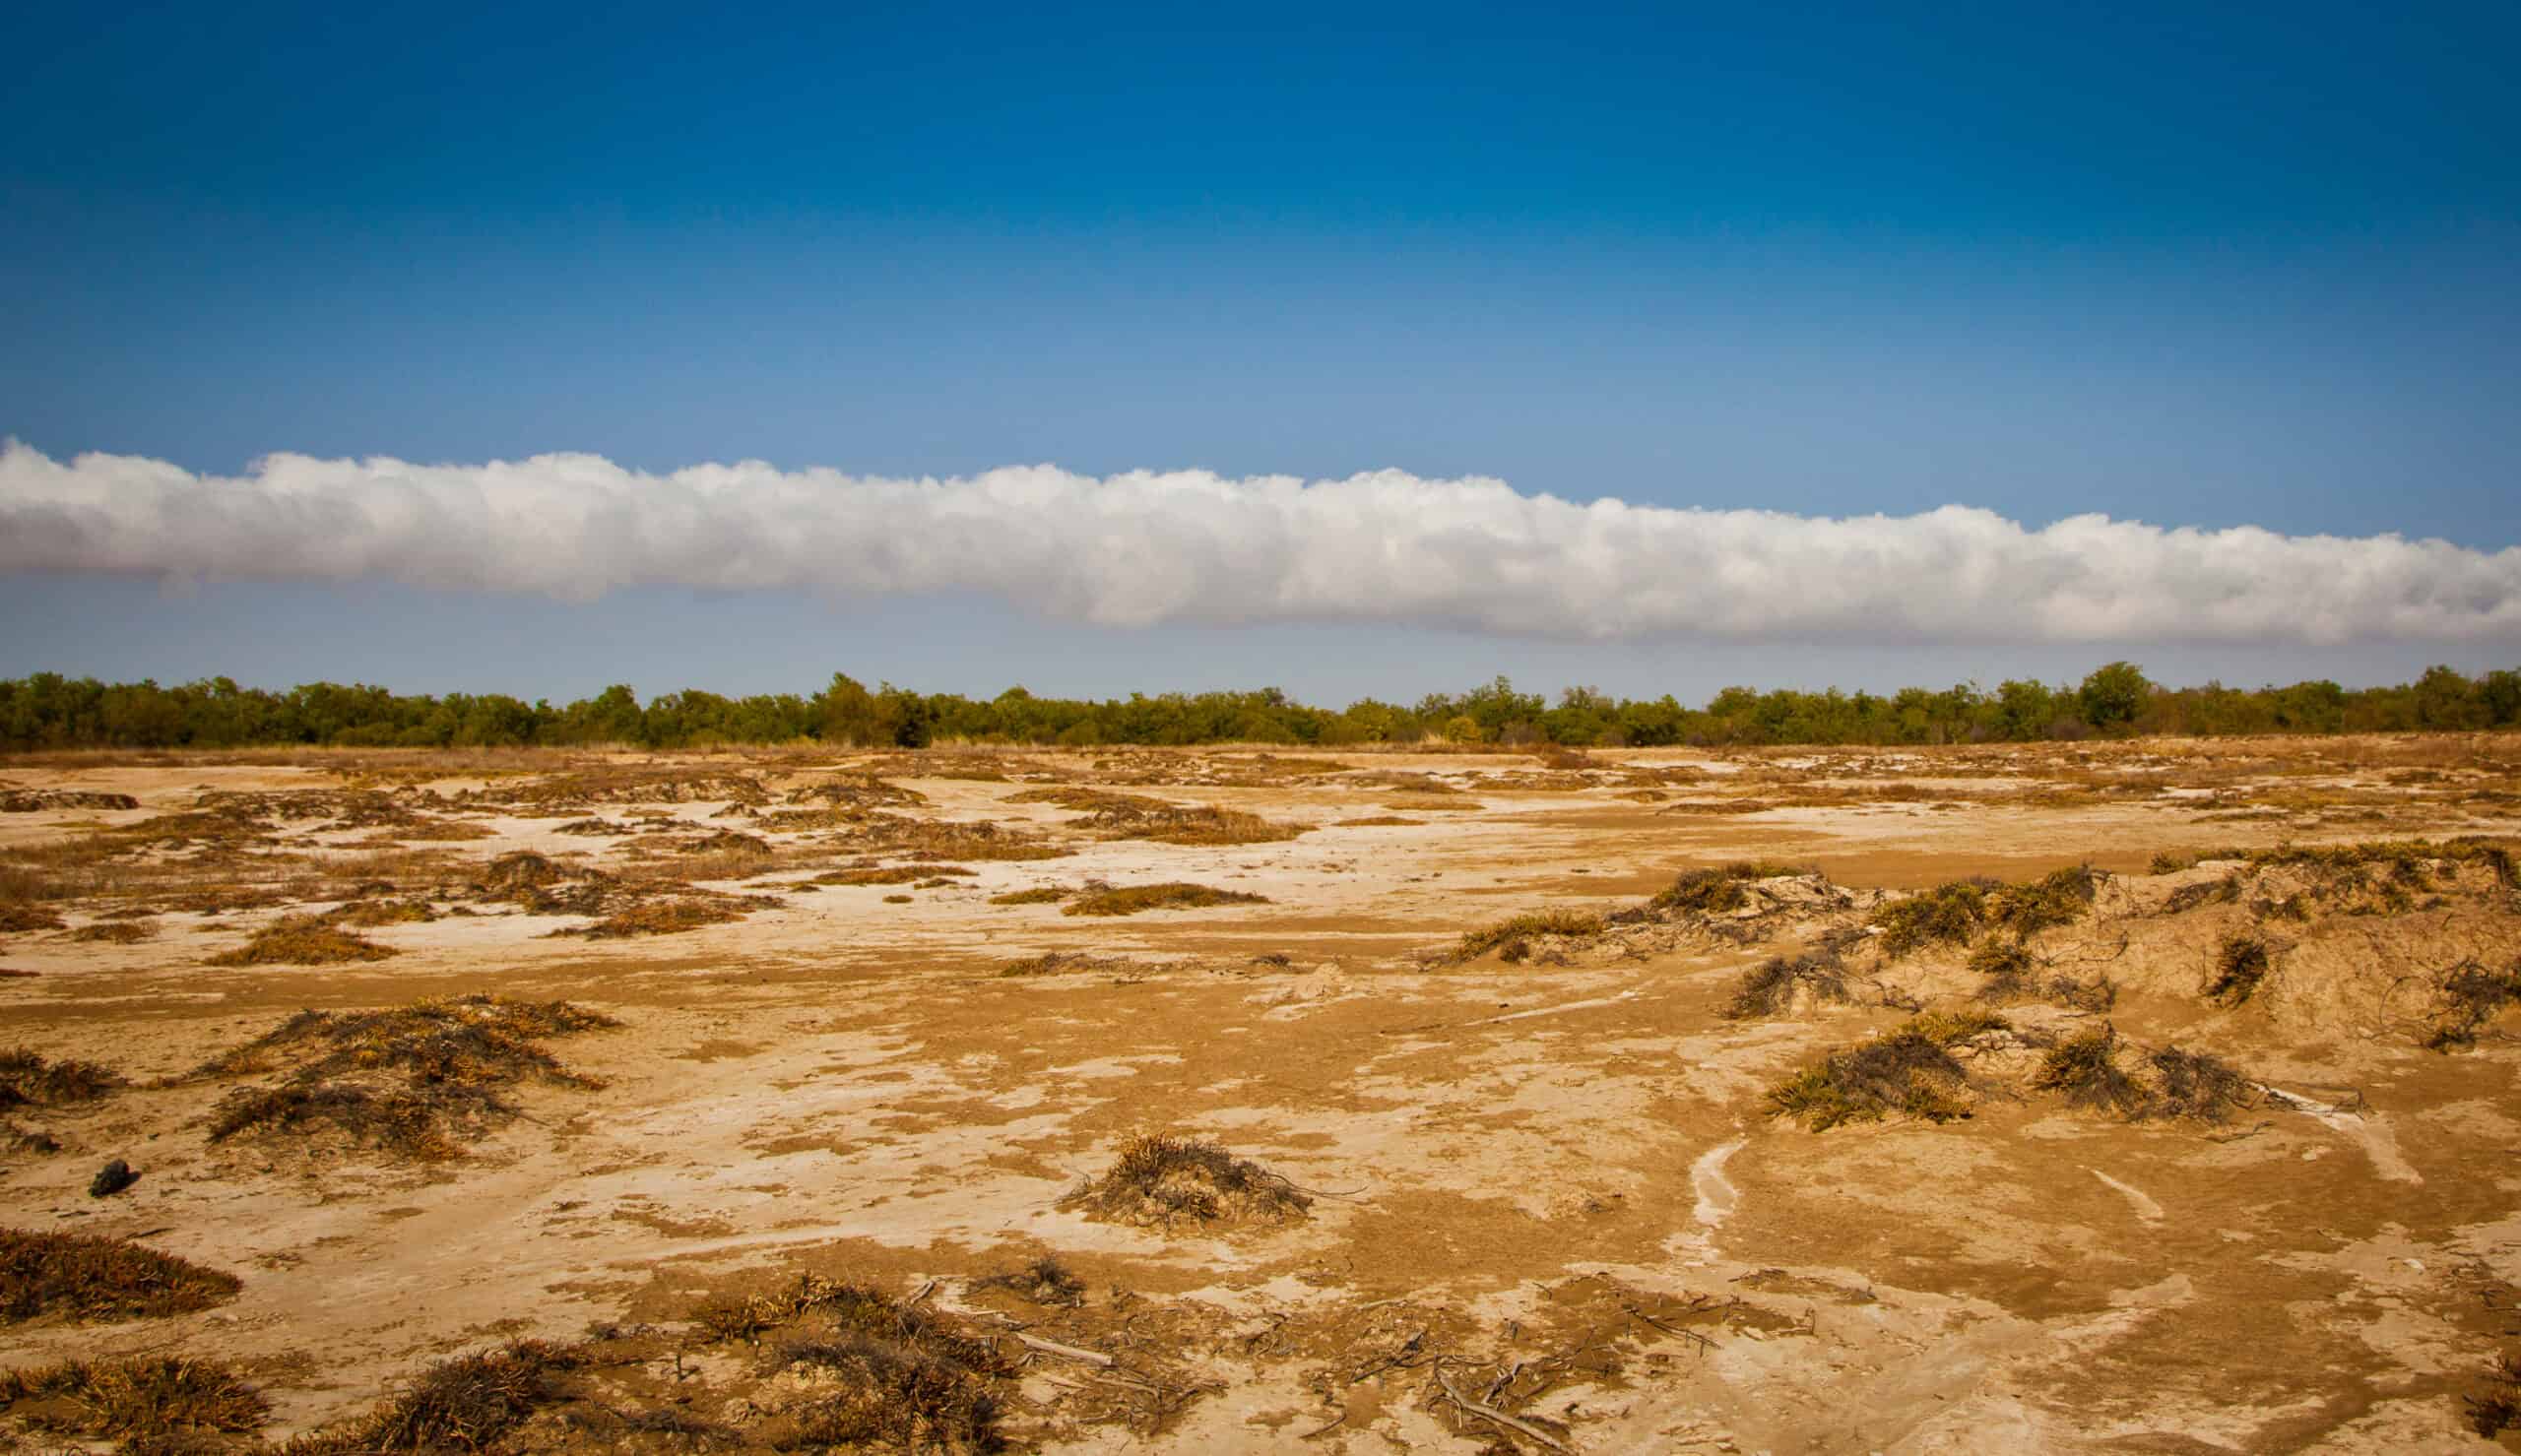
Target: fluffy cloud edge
[1146,549]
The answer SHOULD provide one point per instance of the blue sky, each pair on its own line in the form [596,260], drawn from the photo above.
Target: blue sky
[2199,266]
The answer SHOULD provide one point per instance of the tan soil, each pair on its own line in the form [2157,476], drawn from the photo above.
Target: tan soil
[1514,1164]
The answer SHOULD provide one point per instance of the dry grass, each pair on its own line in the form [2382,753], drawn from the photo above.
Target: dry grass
[2197,1086]
[151,1403]
[1379,821]
[116,933]
[28,1079]
[1504,935]
[1773,986]
[369,913]
[2085,1068]
[1038,894]
[1135,816]
[1165,1181]
[2498,1408]
[1045,1281]
[1720,890]
[19,919]
[1129,899]
[2465,998]
[466,1404]
[1055,961]
[1909,1070]
[662,917]
[84,1277]
[884,1372]
[897,874]
[1956,912]
[411,1080]
[2241,965]
[304,940]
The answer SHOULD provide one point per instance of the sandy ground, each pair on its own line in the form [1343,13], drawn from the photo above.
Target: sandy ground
[1564,1164]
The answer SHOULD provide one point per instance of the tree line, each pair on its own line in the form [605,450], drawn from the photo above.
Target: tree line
[48,711]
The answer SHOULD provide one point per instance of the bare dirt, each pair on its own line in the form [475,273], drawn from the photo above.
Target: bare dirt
[1546,1201]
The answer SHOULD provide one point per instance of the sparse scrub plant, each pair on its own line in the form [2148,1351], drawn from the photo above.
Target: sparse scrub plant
[1163,1181]
[2241,967]
[1131,899]
[1571,923]
[87,1277]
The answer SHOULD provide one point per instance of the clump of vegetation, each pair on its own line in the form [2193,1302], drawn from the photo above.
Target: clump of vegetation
[2006,965]
[2060,897]
[450,1058]
[1718,890]
[1045,1281]
[1909,1070]
[1950,913]
[2496,1409]
[2241,965]
[304,940]
[1957,911]
[2465,998]
[1163,1181]
[1038,894]
[463,1404]
[86,1277]
[1052,962]
[116,933]
[26,1078]
[895,874]
[20,919]
[1572,923]
[151,1403]
[2086,1069]
[2197,1086]
[2098,994]
[1173,895]
[369,913]
[662,917]
[1772,987]
[888,1373]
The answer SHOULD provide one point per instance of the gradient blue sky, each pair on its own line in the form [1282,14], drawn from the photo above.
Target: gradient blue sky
[2194,264]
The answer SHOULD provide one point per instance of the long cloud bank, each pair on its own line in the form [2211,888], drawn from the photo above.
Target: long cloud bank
[1188,546]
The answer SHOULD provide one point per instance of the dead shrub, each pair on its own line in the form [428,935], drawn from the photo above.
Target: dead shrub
[1174,895]
[898,874]
[1038,894]
[2498,1408]
[1772,987]
[448,1058]
[368,914]
[1570,923]
[2241,965]
[151,1403]
[1946,914]
[1160,1180]
[85,1277]
[2006,964]
[28,1079]
[1909,1070]
[20,919]
[2465,999]
[1045,1281]
[662,917]
[1055,962]
[2198,1086]
[302,940]
[116,933]
[2086,1069]
[907,1378]
[2098,994]
[1718,890]
[466,1404]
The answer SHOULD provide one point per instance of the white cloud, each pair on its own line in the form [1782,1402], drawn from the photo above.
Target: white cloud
[1188,546]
